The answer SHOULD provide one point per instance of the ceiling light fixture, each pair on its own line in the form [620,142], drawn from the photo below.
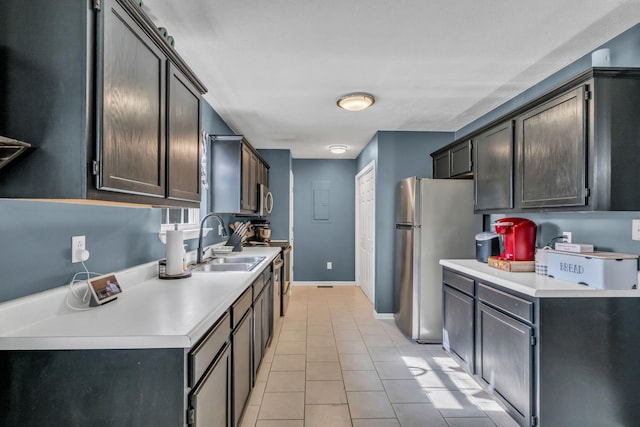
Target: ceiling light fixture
[338,149]
[356,101]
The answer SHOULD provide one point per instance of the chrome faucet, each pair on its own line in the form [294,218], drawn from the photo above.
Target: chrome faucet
[224,233]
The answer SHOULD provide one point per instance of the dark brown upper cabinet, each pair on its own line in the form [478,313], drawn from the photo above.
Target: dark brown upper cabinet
[493,168]
[249,202]
[442,165]
[453,161]
[552,152]
[573,148]
[236,171]
[184,148]
[461,163]
[132,137]
[149,141]
[113,112]
[577,149]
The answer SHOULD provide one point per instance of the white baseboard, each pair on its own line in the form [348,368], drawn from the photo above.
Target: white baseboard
[382,316]
[323,283]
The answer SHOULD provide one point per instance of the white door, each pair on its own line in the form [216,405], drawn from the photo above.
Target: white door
[365,230]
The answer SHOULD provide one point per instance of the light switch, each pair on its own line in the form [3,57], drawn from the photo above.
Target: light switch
[635,229]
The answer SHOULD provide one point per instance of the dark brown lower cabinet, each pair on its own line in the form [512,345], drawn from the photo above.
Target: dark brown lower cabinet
[210,401]
[258,326]
[242,338]
[207,385]
[505,360]
[458,325]
[98,388]
[549,361]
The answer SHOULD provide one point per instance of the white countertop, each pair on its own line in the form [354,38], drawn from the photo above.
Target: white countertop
[532,284]
[150,312]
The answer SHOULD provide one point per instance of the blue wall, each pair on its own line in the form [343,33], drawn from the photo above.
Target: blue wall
[317,242]
[397,155]
[607,231]
[279,184]
[35,237]
[35,253]
[213,124]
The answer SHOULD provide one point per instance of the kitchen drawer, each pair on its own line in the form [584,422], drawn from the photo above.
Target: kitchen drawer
[510,304]
[203,353]
[240,307]
[461,283]
[261,281]
[266,274]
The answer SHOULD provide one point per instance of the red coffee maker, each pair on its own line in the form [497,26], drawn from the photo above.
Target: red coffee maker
[518,237]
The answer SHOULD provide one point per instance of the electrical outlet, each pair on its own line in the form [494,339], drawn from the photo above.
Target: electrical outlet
[635,229]
[329,265]
[77,248]
[566,236]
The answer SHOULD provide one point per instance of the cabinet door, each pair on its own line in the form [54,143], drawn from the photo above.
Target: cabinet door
[210,401]
[183,145]
[260,173]
[493,168]
[461,158]
[441,166]
[253,182]
[242,338]
[258,319]
[267,322]
[458,326]
[505,360]
[264,172]
[265,175]
[131,108]
[248,175]
[552,152]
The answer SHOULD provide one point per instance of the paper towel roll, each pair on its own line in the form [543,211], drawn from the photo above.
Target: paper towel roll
[174,252]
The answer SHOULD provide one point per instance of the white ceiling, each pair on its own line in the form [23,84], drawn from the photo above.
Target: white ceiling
[274,69]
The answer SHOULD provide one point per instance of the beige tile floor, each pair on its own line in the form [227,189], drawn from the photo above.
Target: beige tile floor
[332,364]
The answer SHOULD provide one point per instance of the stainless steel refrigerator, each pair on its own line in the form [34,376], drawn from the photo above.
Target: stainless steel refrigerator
[434,220]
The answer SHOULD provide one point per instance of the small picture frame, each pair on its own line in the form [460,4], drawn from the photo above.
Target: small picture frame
[104,289]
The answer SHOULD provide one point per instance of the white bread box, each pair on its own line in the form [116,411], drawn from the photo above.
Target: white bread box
[601,270]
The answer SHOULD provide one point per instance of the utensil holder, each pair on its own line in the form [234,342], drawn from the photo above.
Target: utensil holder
[236,241]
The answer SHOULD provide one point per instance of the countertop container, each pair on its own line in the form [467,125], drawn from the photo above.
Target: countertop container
[600,270]
[487,244]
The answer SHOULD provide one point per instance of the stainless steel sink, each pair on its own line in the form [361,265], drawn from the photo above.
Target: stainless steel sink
[237,260]
[229,263]
[205,268]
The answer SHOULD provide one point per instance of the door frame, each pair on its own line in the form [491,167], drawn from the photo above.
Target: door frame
[291,222]
[370,167]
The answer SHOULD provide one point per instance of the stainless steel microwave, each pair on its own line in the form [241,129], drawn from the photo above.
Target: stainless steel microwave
[265,200]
